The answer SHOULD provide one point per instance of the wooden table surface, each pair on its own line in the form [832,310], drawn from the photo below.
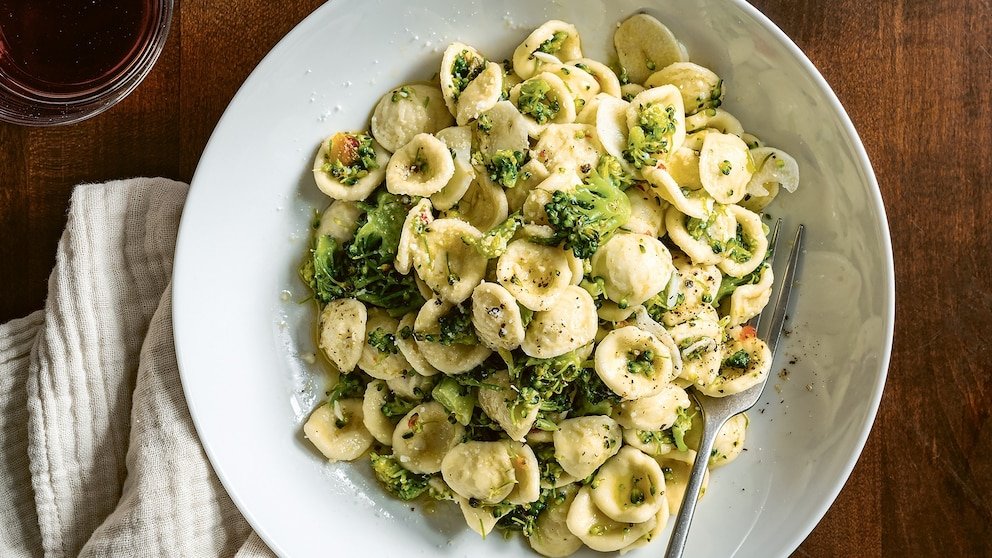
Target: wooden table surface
[914,76]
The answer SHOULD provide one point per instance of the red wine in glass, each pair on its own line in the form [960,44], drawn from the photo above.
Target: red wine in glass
[64,60]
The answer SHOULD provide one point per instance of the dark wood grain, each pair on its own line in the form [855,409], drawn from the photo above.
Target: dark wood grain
[914,76]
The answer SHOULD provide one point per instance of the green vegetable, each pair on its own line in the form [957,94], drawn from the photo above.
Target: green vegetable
[396,406]
[682,425]
[640,362]
[725,167]
[382,341]
[551,471]
[492,244]
[347,387]
[592,397]
[738,248]
[651,136]
[398,481]
[458,399]
[589,215]
[464,69]
[740,359]
[554,44]
[363,268]
[523,517]
[402,93]
[503,167]
[484,123]
[454,328]
[546,379]
[534,100]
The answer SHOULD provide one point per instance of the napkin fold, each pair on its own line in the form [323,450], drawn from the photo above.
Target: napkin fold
[98,453]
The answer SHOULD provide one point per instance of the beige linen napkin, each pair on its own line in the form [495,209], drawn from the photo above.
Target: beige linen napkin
[98,454]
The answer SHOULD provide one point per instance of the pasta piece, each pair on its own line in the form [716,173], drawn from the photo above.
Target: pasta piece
[729,441]
[597,530]
[450,266]
[458,140]
[411,385]
[550,536]
[499,401]
[531,174]
[611,126]
[483,206]
[496,317]
[746,363]
[699,341]
[536,275]
[569,324]
[450,359]
[566,148]
[424,436]
[407,111]
[633,266]
[696,204]
[588,113]
[349,166]
[580,83]
[699,286]
[630,90]
[380,357]
[470,84]
[644,45]
[683,166]
[556,39]
[629,487]
[657,412]
[724,167]
[633,363]
[745,252]
[677,466]
[748,300]
[583,444]
[655,125]
[543,100]
[652,442]
[502,128]
[336,429]
[699,243]
[409,348]
[481,519]
[480,470]
[527,473]
[607,79]
[412,235]
[342,332]
[701,88]
[774,169]
[643,320]
[661,521]
[576,266]
[612,312]
[339,221]
[716,120]
[647,212]
[378,424]
[420,168]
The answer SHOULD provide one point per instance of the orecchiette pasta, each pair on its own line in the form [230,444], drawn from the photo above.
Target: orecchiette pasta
[523,269]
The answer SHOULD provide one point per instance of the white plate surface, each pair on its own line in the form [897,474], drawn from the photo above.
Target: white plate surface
[243,348]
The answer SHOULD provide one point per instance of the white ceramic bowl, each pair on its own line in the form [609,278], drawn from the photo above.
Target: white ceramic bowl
[242,348]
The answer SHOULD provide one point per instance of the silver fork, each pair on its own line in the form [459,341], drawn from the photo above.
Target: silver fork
[717,410]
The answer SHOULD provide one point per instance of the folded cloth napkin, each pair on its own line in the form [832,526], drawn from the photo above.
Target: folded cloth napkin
[98,454]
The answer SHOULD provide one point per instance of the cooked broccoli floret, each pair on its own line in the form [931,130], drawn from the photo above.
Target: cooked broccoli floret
[348,386]
[592,397]
[503,167]
[534,100]
[651,136]
[523,517]
[457,398]
[740,359]
[398,481]
[640,362]
[382,341]
[454,328]
[589,215]
[554,44]
[363,268]
[464,69]
[493,243]
[350,157]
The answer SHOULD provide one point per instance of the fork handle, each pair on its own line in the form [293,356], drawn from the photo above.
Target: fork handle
[680,532]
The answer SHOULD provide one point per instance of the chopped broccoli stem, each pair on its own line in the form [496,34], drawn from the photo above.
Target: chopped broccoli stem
[457,398]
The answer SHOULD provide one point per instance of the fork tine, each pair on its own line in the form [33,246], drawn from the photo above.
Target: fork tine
[785,296]
[773,249]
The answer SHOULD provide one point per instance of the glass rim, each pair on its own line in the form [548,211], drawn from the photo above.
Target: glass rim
[16,108]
